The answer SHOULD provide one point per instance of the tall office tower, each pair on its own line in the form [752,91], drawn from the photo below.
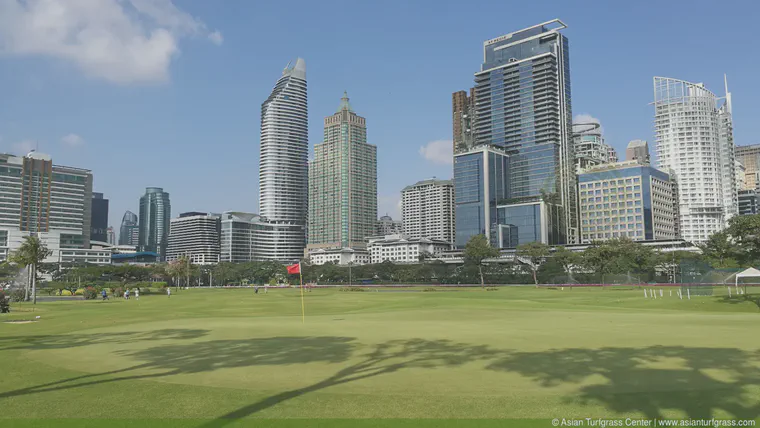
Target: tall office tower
[626,199]
[523,107]
[343,183]
[155,215]
[589,146]
[427,210]
[110,236]
[239,236]
[695,140]
[386,225]
[99,218]
[749,156]
[129,232]
[283,170]
[196,236]
[47,200]
[463,119]
[637,150]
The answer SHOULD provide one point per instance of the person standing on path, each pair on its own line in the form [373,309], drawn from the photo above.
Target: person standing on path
[137,294]
[169,291]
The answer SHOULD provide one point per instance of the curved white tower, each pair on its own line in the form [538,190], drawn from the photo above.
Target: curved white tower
[695,141]
[283,170]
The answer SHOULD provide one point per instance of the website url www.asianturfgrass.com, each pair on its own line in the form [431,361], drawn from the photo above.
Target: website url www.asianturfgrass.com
[631,422]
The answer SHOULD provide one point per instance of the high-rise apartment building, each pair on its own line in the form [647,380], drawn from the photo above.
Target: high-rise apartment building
[741,176]
[110,236]
[749,156]
[283,170]
[154,221]
[522,107]
[463,119]
[99,218]
[386,225]
[343,183]
[589,146]
[626,199]
[50,201]
[196,236]
[695,140]
[637,150]
[129,232]
[427,210]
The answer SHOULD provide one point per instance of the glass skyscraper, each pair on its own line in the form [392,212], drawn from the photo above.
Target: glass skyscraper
[522,107]
[129,233]
[154,221]
[283,167]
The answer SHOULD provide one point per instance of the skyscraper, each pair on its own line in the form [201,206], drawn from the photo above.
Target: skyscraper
[463,119]
[427,210]
[99,218]
[589,146]
[195,236]
[749,156]
[343,183]
[522,106]
[154,221]
[695,140]
[129,232]
[283,170]
[110,235]
[637,150]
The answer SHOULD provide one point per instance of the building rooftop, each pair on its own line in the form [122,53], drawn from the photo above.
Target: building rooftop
[430,181]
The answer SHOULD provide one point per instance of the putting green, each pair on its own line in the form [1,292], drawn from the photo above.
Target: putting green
[513,353]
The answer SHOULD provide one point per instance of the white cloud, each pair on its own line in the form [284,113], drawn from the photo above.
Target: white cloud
[122,41]
[438,152]
[216,37]
[23,147]
[72,140]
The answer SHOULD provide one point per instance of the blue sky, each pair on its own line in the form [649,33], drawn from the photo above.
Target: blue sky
[150,93]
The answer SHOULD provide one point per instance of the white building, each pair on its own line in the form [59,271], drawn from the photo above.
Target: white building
[386,225]
[694,139]
[427,210]
[589,146]
[283,171]
[340,256]
[400,249]
[196,236]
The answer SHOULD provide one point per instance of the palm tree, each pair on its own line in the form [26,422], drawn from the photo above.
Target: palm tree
[31,253]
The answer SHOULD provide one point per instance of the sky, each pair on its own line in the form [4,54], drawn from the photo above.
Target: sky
[168,94]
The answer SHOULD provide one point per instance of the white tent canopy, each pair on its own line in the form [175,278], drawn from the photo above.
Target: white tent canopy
[747,273]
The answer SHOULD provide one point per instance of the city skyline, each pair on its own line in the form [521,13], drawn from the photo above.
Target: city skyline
[110,141]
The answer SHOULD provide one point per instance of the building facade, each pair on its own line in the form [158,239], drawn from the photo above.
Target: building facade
[238,231]
[637,150]
[129,232]
[110,236]
[386,225]
[283,169]
[154,222]
[339,256]
[52,202]
[463,119]
[749,156]
[626,199]
[694,139]
[195,236]
[748,201]
[522,107]
[343,183]
[589,146]
[99,218]
[398,249]
[427,210]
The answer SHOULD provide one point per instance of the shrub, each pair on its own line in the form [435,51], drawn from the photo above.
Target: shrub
[429,289]
[352,289]
[65,292]
[5,305]
[90,293]
[492,289]
[79,292]
[16,295]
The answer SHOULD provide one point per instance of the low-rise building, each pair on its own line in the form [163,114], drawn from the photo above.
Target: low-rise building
[748,201]
[386,225]
[400,249]
[340,256]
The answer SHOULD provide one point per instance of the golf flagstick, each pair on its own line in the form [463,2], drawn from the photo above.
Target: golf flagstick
[303,310]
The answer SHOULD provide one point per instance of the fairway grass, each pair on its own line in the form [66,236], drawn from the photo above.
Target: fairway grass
[471,357]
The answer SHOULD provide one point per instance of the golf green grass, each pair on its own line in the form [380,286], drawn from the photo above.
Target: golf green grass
[235,358]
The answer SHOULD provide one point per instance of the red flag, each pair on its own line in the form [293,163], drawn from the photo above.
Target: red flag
[296,268]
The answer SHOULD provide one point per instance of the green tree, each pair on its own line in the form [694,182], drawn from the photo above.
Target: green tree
[720,248]
[532,254]
[476,251]
[744,231]
[567,259]
[31,253]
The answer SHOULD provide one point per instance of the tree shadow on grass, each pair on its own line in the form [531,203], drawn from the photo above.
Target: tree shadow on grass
[60,341]
[695,381]
[741,298]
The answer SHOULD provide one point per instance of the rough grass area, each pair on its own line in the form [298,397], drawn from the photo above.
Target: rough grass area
[471,357]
